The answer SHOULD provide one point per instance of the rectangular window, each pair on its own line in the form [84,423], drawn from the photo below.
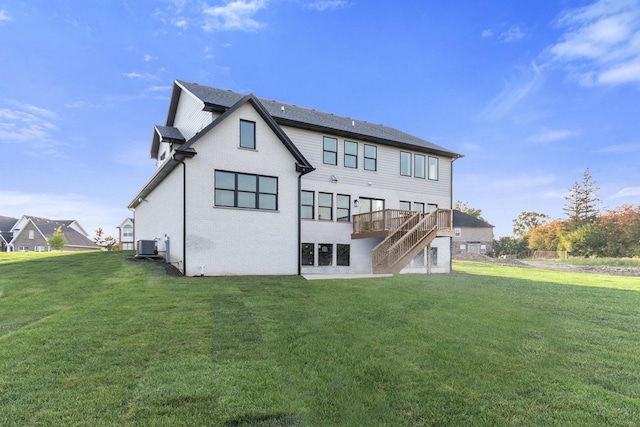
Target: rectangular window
[457,232]
[325,254]
[483,249]
[405,163]
[418,166]
[343,254]
[343,203]
[370,157]
[434,257]
[325,206]
[431,207]
[330,151]
[247,134]
[370,205]
[307,255]
[31,234]
[418,206]
[350,154]
[433,168]
[405,206]
[127,231]
[307,205]
[240,190]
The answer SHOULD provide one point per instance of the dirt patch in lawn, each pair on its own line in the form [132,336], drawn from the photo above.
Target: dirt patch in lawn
[553,265]
[170,270]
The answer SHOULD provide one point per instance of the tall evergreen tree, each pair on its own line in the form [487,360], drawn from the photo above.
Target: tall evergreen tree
[582,202]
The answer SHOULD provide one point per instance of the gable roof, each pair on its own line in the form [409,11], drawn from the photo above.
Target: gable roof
[6,224]
[461,219]
[69,228]
[219,100]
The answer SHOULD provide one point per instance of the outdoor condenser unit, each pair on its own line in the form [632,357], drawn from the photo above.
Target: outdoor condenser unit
[146,248]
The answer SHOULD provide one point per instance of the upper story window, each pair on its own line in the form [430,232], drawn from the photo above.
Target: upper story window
[247,134]
[330,151]
[370,157]
[307,205]
[127,231]
[343,203]
[241,190]
[325,206]
[350,154]
[31,234]
[405,163]
[419,166]
[433,168]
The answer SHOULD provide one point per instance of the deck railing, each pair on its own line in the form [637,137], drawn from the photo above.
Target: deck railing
[387,220]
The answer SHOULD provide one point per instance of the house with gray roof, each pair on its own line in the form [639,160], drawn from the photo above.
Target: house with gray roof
[471,235]
[30,234]
[6,224]
[248,185]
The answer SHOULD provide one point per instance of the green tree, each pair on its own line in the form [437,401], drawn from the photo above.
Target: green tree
[57,241]
[464,207]
[511,246]
[527,221]
[582,202]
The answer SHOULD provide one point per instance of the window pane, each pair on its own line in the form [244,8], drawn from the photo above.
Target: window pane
[330,150]
[370,151]
[325,199]
[350,161]
[325,254]
[433,168]
[324,213]
[405,206]
[224,198]
[246,182]
[417,206]
[247,134]
[267,201]
[307,198]
[405,163]
[225,180]
[419,166]
[306,250]
[268,184]
[370,164]
[246,200]
[343,201]
[325,206]
[343,252]
[306,212]
[330,144]
[330,158]
[377,205]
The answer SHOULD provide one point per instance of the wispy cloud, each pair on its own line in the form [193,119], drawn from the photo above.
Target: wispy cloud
[619,148]
[4,17]
[487,33]
[553,135]
[514,91]
[234,15]
[601,42]
[323,5]
[30,125]
[627,192]
[511,35]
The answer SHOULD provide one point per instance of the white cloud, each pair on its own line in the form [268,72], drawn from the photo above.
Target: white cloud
[619,148]
[601,42]
[627,192]
[234,15]
[513,93]
[553,135]
[323,5]
[30,125]
[4,17]
[181,23]
[511,35]
[487,33]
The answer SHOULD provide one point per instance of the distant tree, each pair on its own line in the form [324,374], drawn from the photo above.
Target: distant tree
[57,241]
[582,202]
[621,227]
[464,207]
[527,221]
[545,237]
[511,246]
[109,243]
[586,240]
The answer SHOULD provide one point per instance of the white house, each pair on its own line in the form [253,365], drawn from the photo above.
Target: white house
[246,185]
[125,235]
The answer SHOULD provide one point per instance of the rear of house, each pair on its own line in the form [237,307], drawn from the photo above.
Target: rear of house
[252,186]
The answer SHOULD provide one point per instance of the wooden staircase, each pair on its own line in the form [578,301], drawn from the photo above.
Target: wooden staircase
[407,234]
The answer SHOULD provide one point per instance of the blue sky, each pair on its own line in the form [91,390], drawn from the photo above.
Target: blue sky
[532,93]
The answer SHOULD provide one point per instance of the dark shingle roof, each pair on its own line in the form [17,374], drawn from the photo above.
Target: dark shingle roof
[48,226]
[461,219]
[6,224]
[292,115]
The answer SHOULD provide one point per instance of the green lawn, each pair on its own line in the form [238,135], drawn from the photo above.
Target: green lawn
[93,339]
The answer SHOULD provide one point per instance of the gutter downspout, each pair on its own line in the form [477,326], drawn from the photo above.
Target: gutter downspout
[303,170]
[179,156]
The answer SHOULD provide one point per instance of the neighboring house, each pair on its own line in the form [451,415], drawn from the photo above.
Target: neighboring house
[471,235]
[125,237]
[30,234]
[246,185]
[6,224]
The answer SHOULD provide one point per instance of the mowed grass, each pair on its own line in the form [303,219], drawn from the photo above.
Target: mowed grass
[94,339]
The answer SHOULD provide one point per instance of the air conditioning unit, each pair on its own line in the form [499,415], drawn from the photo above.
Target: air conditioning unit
[146,248]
